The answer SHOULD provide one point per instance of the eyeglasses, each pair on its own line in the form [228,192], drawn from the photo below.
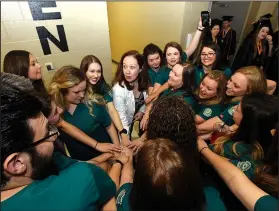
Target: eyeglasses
[53,131]
[209,55]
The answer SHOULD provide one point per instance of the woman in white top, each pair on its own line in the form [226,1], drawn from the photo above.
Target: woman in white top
[130,89]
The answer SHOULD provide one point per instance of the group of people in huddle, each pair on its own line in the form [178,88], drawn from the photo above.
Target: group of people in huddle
[208,136]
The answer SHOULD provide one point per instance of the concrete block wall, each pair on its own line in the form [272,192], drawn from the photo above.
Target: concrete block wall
[85,25]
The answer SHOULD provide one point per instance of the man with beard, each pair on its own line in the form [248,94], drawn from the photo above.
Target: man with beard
[28,177]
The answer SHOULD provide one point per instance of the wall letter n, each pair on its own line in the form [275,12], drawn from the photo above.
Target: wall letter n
[43,33]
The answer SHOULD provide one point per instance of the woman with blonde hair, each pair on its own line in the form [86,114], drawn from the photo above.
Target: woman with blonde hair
[23,63]
[246,80]
[84,110]
[211,96]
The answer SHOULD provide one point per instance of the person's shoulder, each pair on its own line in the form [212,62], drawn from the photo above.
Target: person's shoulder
[150,70]
[198,68]
[84,169]
[165,69]
[266,202]
[85,174]
[122,197]
[228,144]
[213,199]
[116,85]
[117,88]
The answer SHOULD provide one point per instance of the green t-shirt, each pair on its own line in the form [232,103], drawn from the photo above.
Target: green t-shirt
[227,115]
[209,111]
[266,203]
[212,196]
[106,92]
[199,74]
[163,76]
[189,99]
[243,160]
[79,186]
[184,57]
[153,74]
[83,120]
[94,126]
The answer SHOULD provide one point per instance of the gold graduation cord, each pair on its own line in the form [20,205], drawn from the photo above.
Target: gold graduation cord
[259,47]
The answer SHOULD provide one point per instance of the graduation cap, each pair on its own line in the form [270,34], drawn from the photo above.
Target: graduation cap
[266,16]
[264,21]
[227,18]
[215,22]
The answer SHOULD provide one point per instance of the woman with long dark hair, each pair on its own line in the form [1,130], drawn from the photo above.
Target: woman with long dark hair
[251,196]
[267,173]
[209,59]
[23,63]
[181,83]
[247,147]
[92,67]
[129,90]
[256,49]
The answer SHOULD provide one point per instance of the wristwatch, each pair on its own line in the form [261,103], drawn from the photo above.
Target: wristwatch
[117,161]
[123,131]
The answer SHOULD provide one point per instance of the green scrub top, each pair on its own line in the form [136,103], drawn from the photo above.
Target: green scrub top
[108,97]
[106,92]
[94,126]
[243,160]
[163,76]
[199,74]
[227,115]
[184,57]
[79,186]
[189,99]
[266,202]
[209,111]
[212,196]
[153,74]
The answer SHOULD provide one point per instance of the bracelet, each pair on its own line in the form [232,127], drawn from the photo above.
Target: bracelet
[199,29]
[96,145]
[203,149]
[118,161]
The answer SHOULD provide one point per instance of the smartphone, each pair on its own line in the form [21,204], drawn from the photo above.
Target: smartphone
[205,18]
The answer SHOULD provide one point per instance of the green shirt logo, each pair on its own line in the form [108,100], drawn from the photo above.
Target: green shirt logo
[244,165]
[120,197]
[207,112]
[231,111]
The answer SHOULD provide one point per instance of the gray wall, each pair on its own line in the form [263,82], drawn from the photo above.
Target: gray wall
[237,9]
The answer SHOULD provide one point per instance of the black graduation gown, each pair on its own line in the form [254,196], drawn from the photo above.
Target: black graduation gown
[245,55]
[272,69]
[228,45]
